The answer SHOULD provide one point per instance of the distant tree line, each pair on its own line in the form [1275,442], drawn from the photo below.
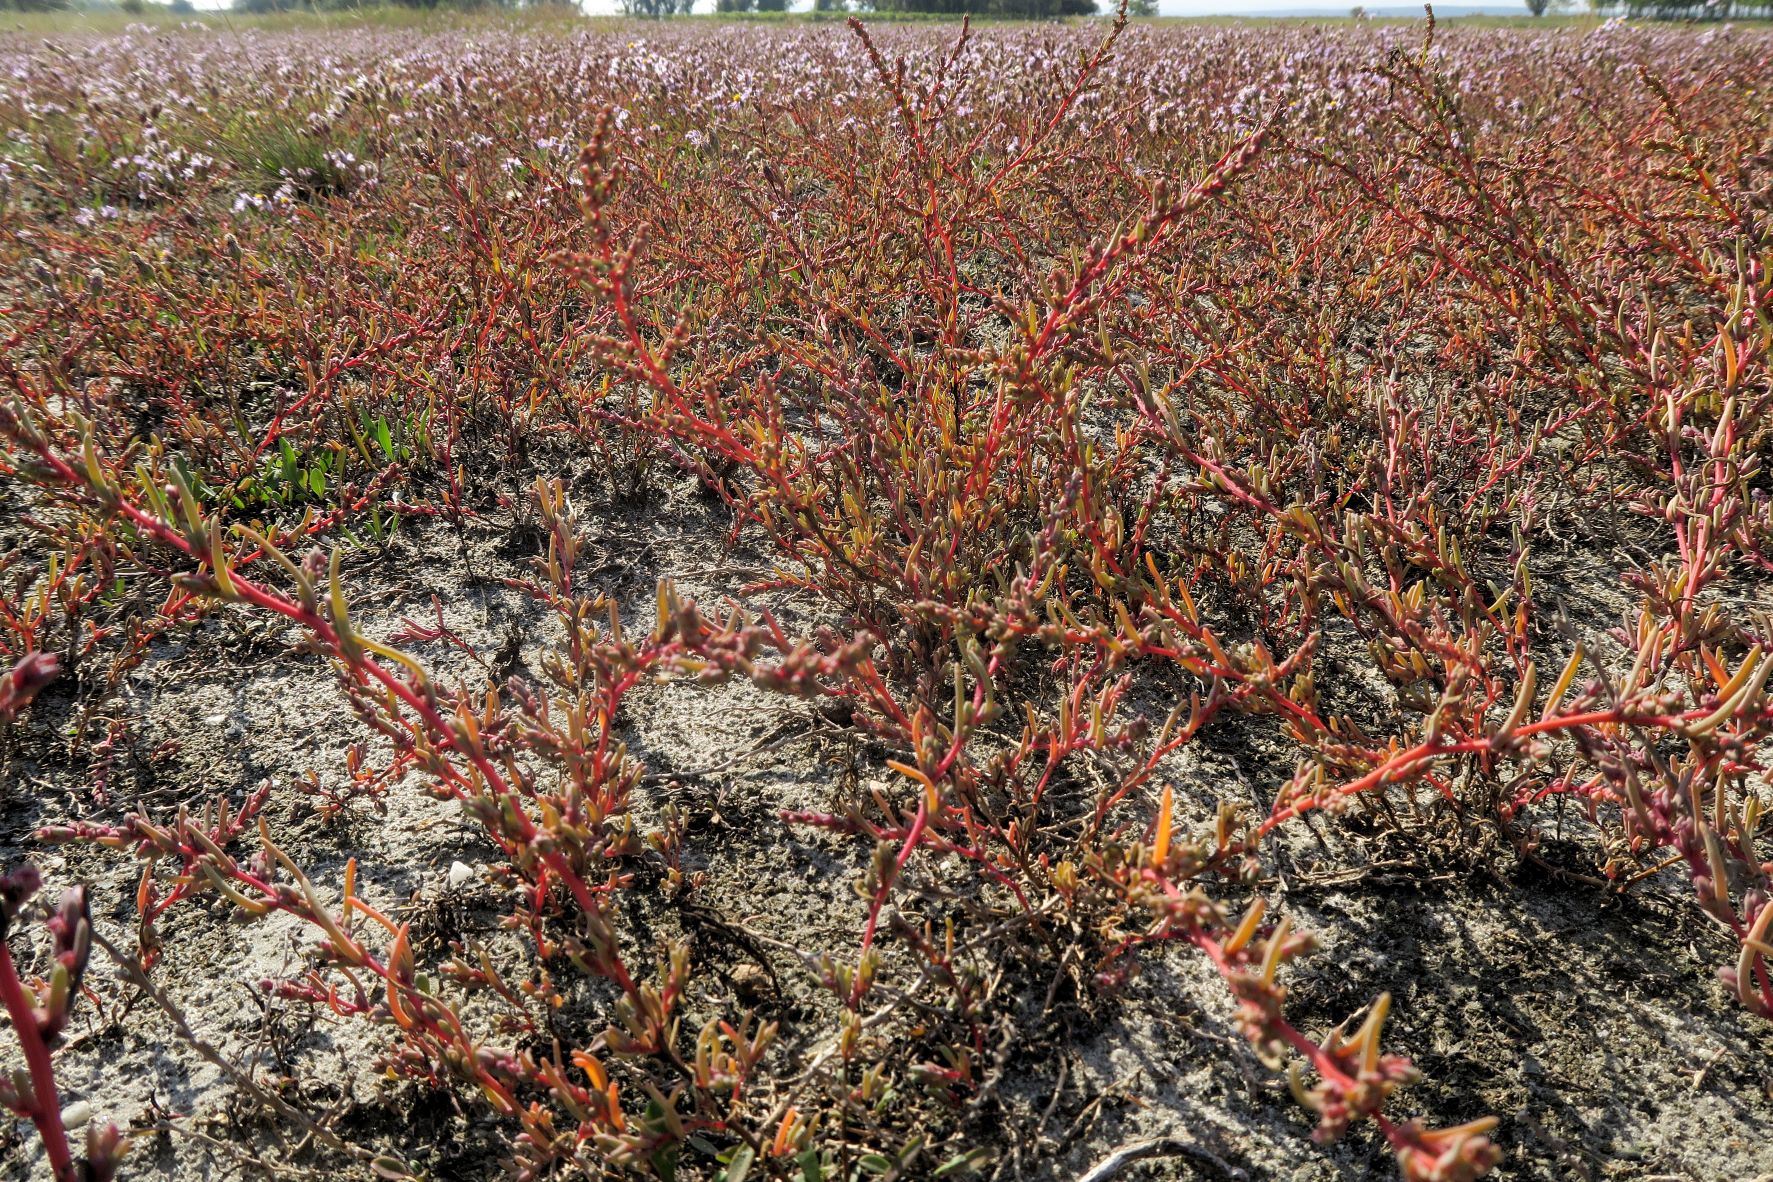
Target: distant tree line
[1013,9]
[261,6]
[1025,9]
[655,8]
[652,9]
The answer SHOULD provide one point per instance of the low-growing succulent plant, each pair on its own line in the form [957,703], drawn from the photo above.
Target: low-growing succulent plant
[1085,393]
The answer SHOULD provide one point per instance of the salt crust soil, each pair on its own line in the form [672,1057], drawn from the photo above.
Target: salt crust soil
[1592,1026]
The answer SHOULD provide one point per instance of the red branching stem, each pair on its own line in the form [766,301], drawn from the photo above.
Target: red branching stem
[45,1109]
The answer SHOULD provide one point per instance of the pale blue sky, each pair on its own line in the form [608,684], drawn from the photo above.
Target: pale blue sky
[1200,7]
[1166,7]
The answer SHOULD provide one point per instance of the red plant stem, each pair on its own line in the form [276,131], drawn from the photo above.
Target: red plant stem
[46,1108]
[443,732]
[1326,1066]
[880,894]
[1320,1060]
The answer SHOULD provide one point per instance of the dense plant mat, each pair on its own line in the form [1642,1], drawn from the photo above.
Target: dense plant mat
[816,603]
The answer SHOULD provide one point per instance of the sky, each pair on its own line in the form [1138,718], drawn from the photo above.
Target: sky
[1207,7]
[1165,7]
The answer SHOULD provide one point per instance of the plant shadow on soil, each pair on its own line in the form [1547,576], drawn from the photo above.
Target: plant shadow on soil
[1597,1033]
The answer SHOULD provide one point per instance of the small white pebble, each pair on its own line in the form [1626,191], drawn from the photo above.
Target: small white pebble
[460,874]
[76,1114]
